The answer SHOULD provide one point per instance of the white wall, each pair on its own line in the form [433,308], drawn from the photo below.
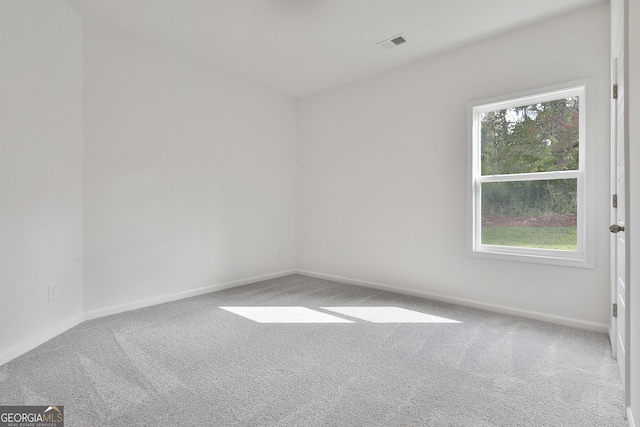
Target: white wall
[633,86]
[382,172]
[189,175]
[40,172]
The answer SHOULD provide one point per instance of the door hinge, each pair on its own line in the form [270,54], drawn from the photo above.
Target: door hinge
[615,91]
[615,310]
[615,200]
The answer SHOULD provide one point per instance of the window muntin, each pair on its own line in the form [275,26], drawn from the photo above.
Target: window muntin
[528,176]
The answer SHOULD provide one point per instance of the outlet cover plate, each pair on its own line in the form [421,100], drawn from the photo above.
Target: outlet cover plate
[53,292]
[451,271]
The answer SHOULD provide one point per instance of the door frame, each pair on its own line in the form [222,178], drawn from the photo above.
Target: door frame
[619,40]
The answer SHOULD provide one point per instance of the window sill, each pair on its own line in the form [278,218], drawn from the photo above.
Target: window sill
[562,258]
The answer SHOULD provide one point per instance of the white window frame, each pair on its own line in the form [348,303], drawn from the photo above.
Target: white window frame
[583,256]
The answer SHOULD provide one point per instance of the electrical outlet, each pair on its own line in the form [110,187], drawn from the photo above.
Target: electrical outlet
[53,292]
[451,271]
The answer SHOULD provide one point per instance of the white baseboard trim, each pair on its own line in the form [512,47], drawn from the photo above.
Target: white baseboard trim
[565,321]
[630,417]
[108,311]
[34,342]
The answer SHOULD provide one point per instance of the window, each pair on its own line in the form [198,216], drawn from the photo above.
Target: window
[528,177]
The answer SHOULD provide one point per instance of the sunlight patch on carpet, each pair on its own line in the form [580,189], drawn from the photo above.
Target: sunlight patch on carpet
[284,315]
[389,315]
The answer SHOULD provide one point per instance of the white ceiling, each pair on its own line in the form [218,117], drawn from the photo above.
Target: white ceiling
[299,47]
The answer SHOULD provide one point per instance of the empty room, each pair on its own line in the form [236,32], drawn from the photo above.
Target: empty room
[319,212]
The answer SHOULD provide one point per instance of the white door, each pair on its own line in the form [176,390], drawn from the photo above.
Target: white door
[619,343]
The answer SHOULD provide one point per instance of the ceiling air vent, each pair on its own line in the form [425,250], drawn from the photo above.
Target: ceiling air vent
[391,42]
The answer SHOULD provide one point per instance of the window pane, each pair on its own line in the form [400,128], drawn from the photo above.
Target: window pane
[541,137]
[530,214]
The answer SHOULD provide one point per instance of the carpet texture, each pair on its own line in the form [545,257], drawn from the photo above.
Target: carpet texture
[299,351]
